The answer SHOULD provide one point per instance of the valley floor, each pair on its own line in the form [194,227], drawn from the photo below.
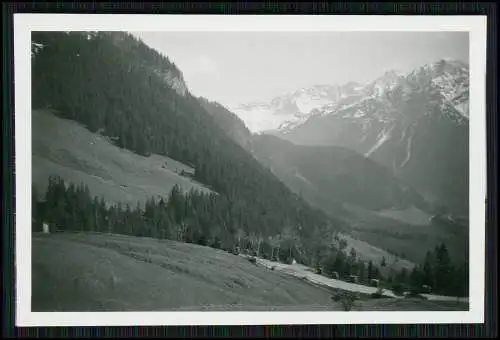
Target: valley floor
[101,272]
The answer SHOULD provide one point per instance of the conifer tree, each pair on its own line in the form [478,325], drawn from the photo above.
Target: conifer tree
[370,270]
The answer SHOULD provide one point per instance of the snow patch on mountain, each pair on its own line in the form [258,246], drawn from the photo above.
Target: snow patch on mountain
[403,135]
[385,83]
[259,118]
[408,151]
[302,178]
[383,137]
[358,114]
[454,92]
[444,86]
[305,104]
[292,109]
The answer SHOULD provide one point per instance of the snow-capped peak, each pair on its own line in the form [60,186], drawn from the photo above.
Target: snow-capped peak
[446,81]
[385,83]
[292,108]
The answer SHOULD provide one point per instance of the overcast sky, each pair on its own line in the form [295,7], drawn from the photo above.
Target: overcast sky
[242,67]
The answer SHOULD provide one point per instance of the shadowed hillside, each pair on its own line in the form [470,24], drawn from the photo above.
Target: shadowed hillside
[332,176]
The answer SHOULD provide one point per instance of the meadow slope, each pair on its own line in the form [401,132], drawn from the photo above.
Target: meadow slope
[68,149]
[101,272]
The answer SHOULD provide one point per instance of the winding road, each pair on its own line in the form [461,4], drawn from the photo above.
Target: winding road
[306,273]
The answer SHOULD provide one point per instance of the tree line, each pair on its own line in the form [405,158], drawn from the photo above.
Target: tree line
[194,217]
[439,273]
[206,219]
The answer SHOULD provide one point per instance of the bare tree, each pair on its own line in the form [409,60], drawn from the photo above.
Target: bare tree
[255,241]
[275,244]
[181,231]
[279,245]
[239,235]
[260,240]
[291,237]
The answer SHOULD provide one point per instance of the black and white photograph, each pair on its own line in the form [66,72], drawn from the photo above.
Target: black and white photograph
[216,164]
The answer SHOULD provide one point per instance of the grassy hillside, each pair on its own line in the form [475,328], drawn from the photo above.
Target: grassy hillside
[66,148]
[97,272]
[411,215]
[110,272]
[370,252]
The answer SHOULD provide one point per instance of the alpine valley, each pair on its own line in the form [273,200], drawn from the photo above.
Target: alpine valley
[153,190]
[384,155]
[415,125]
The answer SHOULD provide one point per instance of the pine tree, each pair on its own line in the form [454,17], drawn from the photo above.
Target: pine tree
[428,271]
[370,270]
[460,281]
[347,269]
[71,198]
[362,271]
[415,278]
[104,222]
[443,269]
[97,214]
[402,276]
[331,265]
[353,255]
[340,263]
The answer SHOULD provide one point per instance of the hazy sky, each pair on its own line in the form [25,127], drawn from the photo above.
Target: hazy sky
[241,67]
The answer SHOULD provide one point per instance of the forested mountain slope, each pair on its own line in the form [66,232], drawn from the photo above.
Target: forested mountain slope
[376,205]
[118,86]
[233,126]
[334,175]
[415,124]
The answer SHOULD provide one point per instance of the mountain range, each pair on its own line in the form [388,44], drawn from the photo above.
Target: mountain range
[415,125]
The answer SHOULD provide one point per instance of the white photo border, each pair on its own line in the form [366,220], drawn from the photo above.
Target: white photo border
[24,24]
